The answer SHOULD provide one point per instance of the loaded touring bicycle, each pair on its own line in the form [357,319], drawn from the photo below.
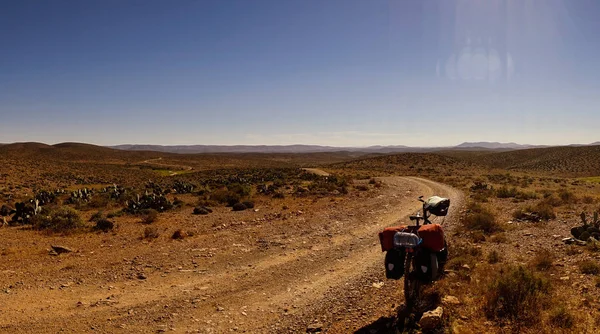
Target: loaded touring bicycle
[416,252]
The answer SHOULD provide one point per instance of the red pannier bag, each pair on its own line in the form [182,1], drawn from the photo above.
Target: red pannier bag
[433,237]
[386,237]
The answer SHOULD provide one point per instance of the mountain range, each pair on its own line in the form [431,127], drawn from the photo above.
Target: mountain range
[191,149]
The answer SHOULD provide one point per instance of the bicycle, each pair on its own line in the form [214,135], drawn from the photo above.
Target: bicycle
[424,259]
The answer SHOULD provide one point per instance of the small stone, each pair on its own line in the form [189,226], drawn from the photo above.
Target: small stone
[466,266]
[220,308]
[142,276]
[61,249]
[564,278]
[450,300]
[378,285]
[314,328]
[431,319]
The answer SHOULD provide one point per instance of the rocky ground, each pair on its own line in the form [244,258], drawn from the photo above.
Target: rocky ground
[287,266]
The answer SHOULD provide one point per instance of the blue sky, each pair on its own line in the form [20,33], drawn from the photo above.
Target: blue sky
[345,73]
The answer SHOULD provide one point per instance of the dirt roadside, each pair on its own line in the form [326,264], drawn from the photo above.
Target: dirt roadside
[315,266]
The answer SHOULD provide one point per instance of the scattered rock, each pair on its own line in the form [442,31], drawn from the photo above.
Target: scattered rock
[564,278]
[142,276]
[450,300]
[238,207]
[202,210]
[314,328]
[431,319]
[61,249]
[378,285]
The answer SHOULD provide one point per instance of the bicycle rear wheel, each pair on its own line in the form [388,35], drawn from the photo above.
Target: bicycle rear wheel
[411,281]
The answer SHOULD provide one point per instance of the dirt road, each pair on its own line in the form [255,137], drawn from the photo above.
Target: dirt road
[268,271]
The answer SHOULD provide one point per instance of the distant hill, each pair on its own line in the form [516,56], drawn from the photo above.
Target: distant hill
[562,160]
[496,145]
[193,149]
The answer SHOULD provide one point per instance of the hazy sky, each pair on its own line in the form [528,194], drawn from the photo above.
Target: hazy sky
[346,73]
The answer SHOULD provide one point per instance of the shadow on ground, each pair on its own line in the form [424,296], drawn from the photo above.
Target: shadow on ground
[405,319]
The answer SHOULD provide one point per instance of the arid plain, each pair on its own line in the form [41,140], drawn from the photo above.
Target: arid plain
[101,240]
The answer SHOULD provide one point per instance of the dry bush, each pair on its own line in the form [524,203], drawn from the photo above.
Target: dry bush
[97,216]
[482,219]
[589,267]
[104,225]
[588,200]
[465,254]
[477,236]
[58,219]
[560,317]
[150,232]
[541,211]
[225,196]
[362,187]
[516,294]
[493,257]
[567,197]
[499,238]
[543,260]
[178,235]
[149,216]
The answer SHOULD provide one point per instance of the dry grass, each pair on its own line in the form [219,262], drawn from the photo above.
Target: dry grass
[516,294]
[589,267]
[480,218]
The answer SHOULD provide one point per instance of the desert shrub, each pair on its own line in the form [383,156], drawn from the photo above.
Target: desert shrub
[505,192]
[477,236]
[149,216]
[499,238]
[515,294]
[99,201]
[589,267]
[238,207]
[479,185]
[150,232]
[225,196]
[593,246]
[465,254]
[588,199]
[545,211]
[543,260]
[58,219]
[482,219]
[178,235]
[561,317]
[114,214]
[541,211]
[248,204]
[242,190]
[104,225]
[493,257]
[362,187]
[552,200]
[97,216]
[567,197]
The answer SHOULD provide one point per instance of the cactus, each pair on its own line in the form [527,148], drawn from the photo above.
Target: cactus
[148,201]
[23,211]
[183,187]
